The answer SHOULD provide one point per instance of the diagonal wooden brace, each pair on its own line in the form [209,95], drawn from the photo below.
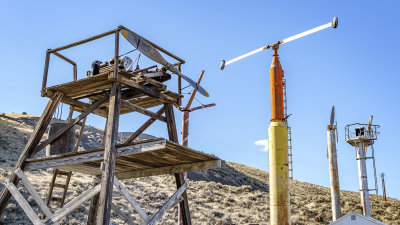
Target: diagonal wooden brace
[72,205]
[39,201]
[71,124]
[31,145]
[144,126]
[130,199]
[143,110]
[171,202]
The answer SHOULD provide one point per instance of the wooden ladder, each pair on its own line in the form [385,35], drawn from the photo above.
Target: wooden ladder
[53,184]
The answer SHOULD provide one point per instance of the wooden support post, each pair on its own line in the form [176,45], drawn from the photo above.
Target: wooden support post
[93,206]
[31,145]
[108,168]
[144,127]
[179,177]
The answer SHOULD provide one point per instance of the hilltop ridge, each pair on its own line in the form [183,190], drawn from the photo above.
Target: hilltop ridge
[232,194]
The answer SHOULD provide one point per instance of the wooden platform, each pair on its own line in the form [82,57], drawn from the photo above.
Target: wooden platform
[78,93]
[144,158]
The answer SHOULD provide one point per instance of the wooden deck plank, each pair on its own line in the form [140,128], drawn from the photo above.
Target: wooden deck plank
[143,158]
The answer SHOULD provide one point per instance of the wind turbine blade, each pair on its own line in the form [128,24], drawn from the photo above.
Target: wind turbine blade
[332,115]
[143,46]
[150,51]
[194,92]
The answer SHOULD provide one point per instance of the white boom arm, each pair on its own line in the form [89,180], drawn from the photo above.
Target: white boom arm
[333,24]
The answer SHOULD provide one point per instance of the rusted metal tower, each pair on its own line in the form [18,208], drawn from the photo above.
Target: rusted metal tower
[185,127]
[333,167]
[362,136]
[110,92]
[278,131]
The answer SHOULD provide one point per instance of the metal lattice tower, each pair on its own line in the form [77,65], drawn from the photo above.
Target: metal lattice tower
[289,131]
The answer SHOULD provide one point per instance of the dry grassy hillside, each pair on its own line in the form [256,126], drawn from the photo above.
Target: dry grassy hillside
[233,194]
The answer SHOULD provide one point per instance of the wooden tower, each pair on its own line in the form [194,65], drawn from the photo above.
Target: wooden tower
[110,93]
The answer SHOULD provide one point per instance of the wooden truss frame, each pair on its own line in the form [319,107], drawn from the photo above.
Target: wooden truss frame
[100,194]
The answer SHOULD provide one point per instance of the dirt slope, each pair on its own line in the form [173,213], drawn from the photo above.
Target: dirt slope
[233,194]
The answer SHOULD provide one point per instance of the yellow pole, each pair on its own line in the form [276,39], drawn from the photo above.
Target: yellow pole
[278,149]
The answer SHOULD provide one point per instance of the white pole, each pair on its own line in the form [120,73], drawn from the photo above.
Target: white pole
[333,172]
[362,173]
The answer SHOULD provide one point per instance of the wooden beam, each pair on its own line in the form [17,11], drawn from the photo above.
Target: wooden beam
[143,110]
[147,91]
[122,215]
[144,127]
[23,203]
[128,197]
[105,197]
[82,157]
[82,41]
[70,124]
[72,205]
[93,206]
[175,198]
[31,144]
[179,177]
[170,169]
[34,193]
[83,105]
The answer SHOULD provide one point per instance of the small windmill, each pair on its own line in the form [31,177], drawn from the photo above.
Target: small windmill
[150,51]
[185,123]
[333,167]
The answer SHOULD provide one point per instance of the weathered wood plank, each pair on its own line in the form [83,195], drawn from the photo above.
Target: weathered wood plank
[170,169]
[34,193]
[132,201]
[144,127]
[81,157]
[175,198]
[142,110]
[31,144]
[23,203]
[72,205]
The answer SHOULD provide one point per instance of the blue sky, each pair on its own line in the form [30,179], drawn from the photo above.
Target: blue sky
[354,67]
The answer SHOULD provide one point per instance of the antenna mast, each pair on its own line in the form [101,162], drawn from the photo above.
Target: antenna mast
[278,130]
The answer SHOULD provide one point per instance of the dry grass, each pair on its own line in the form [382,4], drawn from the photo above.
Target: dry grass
[243,201]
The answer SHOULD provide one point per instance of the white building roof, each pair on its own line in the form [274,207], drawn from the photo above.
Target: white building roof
[356,219]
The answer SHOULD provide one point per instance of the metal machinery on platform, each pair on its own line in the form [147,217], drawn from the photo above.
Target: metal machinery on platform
[362,137]
[110,91]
